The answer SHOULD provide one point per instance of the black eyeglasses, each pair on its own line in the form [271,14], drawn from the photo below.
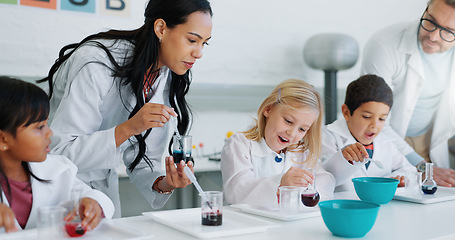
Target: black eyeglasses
[431,26]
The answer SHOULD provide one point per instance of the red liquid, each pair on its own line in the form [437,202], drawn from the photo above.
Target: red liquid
[74,229]
[212,219]
[310,200]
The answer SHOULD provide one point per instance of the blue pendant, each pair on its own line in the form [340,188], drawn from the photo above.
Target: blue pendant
[278,159]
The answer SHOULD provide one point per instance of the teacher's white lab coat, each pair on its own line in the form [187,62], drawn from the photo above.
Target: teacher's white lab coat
[62,175]
[393,54]
[336,136]
[86,107]
[251,175]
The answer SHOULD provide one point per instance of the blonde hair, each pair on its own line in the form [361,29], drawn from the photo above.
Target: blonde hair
[293,93]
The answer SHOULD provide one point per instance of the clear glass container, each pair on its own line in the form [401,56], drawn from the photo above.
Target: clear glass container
[429,185]
[182,148]
[74,226]
[309,194]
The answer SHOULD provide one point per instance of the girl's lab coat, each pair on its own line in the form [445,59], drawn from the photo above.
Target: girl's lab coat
[393,54]
[251,175]
[87,105]
[62,175]
[336,136]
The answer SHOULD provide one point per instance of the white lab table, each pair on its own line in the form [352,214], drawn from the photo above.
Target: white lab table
[396,220]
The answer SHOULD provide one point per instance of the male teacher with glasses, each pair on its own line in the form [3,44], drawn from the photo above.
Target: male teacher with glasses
[417,61]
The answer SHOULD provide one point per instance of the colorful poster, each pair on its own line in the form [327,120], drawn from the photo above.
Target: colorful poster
[9,1]
[118,8]
[88,6]
[51,4]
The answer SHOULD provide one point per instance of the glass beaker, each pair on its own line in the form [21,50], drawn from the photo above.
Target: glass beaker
[429,186]
[50,222]
[74,226]
[182,147]
[289,199]
[413,182]
[212,210]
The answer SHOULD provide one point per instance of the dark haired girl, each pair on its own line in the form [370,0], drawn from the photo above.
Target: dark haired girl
[30,177]
[113,93]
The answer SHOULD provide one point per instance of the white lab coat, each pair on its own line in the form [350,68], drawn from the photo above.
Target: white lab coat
[336,136]
[394,55]
[251,175]
[62,175]
[86,107]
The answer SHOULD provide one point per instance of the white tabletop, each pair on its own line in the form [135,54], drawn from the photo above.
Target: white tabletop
[396,220]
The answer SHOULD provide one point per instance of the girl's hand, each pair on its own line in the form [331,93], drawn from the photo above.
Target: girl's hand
[297,177]
[7,218]
[175,177]
[401,179]
[151,115]
[355,152]
[90,212]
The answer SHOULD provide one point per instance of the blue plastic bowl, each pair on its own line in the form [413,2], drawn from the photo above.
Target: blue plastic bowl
[375,189]
[349,218]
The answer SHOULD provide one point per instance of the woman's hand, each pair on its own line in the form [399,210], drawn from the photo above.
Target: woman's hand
[90,212]
[297,177]
[7,218]
[175,177]
[151,115]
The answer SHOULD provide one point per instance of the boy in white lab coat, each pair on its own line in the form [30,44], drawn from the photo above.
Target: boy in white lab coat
[349,142]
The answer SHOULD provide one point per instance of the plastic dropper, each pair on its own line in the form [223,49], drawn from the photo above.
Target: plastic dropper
[192,178]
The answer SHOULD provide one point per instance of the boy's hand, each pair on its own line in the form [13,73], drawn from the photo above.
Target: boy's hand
[401,179]
[297,177]
[7,218]
[355,152]
[90,212]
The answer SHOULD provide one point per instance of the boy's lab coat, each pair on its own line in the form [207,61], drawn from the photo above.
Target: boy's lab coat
[62,175]
[336,136]
[251,175]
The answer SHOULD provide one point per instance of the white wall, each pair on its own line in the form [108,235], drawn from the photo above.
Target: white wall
[255,42]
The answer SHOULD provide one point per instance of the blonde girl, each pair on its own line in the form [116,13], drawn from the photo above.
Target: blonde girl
[278,150]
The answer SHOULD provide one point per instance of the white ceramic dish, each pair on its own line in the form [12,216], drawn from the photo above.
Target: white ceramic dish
[189,221]
[104,231]
[442,194]
[275,213]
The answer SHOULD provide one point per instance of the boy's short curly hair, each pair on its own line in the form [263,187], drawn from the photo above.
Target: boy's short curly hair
[367,88]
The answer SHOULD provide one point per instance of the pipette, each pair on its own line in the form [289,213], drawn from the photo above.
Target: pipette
[378,163]
[192,178]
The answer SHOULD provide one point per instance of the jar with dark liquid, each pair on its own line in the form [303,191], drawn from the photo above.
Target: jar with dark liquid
[429,186]
[212,210]
[310,196]
[182,147]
